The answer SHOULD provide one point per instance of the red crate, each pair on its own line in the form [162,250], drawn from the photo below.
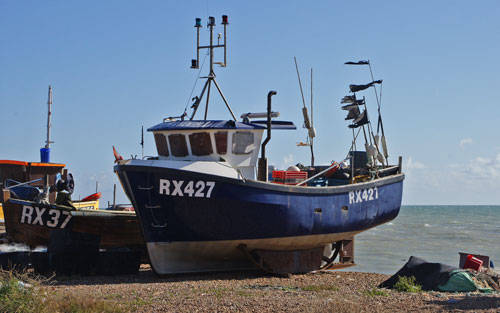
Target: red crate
[474,263]
[289,177]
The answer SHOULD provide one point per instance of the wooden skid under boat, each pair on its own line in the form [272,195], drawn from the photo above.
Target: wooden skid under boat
[31,223]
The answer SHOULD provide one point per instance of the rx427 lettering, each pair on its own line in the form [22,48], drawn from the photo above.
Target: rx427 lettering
[41,216]
[363,195]
[189,188]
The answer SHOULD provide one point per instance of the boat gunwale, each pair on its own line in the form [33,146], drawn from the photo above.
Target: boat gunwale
[326,190]
[34,164]
[75,212]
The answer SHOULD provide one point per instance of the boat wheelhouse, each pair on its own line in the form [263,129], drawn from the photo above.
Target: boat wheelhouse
[234,144]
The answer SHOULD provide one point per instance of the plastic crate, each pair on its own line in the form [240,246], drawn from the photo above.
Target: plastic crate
[474,263]
[289,177]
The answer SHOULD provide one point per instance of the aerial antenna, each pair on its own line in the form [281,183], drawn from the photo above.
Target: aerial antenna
[142,141]
[45,152]
[49,118]
[211,75]
[311,132]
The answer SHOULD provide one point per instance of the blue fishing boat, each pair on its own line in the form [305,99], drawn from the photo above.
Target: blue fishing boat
[208,203]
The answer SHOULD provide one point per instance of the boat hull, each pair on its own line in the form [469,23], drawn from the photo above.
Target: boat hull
[194,222]
[31,223]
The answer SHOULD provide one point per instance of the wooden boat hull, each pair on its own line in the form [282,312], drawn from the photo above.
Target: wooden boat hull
[31,223]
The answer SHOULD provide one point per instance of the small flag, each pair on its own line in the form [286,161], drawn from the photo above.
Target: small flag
[349,107]
[118,157]
[353,104]
[356,88]
[361,120]
[357,63]
[353,113]
[348,99]
[360,102]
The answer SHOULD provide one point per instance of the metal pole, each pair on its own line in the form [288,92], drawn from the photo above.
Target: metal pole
[197,47]
[49,118]
[312,121]
[211,51]
[142,141]
[197,104]
[225,33]
[224,98]
[114,195]
[208,97]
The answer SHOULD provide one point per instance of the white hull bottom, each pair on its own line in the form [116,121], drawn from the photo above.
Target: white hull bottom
[208,256]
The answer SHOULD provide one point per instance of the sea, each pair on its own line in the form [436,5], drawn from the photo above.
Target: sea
[434,233]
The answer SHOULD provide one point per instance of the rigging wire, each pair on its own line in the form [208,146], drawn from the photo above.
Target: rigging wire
[379,100]
[195,82]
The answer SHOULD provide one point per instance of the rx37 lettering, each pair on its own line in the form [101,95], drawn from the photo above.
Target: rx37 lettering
[41,216]
[188,188]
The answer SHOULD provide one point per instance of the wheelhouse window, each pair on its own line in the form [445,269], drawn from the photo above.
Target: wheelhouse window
[161,144]
[200,144]
[221,142]
[178,145]
[243,142]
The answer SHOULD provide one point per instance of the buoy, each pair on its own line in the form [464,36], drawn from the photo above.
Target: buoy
[372,151]
[380,158]
[384,146]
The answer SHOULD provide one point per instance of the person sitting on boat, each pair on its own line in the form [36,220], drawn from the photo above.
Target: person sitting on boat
[64,190]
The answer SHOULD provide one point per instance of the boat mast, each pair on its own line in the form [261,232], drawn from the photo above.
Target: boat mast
[311,136]
[49,118]
[211,76]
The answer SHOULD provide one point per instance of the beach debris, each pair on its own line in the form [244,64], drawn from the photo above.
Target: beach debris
[432,276]
[442,277]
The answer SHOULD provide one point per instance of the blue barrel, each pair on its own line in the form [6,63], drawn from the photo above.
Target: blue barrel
[45,155]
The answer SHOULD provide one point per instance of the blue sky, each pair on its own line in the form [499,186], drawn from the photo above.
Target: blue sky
[118,65]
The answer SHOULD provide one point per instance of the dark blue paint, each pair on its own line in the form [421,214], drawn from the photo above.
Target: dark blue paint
[239,211]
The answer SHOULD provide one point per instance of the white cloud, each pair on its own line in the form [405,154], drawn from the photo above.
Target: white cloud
[410,164]
[464,142]
[480,167]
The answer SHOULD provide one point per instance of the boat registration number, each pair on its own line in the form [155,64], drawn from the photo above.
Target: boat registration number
[188,188]
[41,216]
[363,195]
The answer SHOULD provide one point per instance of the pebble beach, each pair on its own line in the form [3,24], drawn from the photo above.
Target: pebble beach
[254,291]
